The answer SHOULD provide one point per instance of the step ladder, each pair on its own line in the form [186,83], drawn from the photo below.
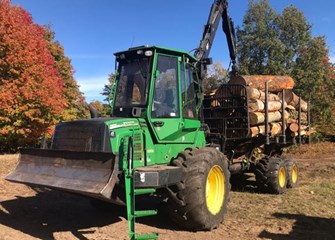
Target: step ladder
[131,193]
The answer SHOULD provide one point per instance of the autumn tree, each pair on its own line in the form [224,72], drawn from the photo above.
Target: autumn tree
[31,88]
[315,80]
[103,109]
[75,105]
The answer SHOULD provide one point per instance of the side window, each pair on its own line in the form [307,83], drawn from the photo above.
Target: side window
[188,92]
[165,102]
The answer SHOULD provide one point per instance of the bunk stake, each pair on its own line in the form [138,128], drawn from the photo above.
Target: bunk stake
[283,122]
[266,107]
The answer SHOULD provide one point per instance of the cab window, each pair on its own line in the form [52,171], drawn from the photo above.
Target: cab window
[165,102]
[188,91]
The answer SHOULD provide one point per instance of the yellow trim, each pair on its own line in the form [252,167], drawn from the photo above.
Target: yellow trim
[294,173]
[282,177]
[215,189]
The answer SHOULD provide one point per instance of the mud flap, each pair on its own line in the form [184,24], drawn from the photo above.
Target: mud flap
[87,173]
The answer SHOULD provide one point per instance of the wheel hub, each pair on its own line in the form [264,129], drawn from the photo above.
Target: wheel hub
[215,189]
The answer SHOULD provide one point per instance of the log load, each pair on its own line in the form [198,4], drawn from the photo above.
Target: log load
[282,111]
[276,83]
[274,129]
[258,117]
[256,107]
[292,99]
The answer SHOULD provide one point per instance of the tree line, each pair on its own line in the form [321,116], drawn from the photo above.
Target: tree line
[38,89]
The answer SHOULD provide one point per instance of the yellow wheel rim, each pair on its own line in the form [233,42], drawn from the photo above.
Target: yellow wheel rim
[294,173]
[215,189]
[282,177]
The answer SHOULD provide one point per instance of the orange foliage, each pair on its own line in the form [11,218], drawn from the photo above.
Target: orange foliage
[31,89]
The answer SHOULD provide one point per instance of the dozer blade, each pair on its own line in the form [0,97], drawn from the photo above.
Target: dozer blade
[87,173]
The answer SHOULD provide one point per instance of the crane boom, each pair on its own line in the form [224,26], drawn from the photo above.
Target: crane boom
[219,10]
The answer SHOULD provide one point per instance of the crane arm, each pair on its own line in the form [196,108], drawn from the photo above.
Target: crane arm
[219,10]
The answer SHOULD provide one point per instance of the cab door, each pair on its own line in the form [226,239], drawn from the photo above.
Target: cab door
[165,117]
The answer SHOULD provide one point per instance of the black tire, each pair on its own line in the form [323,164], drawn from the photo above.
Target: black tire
[292,172]
[199,201]
[271,175]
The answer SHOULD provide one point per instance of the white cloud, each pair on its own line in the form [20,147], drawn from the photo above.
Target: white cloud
[332,59]
[92,87]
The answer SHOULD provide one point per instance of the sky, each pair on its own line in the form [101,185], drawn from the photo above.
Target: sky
[92,30]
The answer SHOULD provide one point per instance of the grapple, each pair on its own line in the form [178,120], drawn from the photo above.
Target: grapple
[87,173]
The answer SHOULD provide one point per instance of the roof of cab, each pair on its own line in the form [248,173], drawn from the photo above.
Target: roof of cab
[158,49]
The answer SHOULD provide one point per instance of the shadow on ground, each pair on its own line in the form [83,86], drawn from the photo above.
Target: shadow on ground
[244,183]
[48,212]
[304,228]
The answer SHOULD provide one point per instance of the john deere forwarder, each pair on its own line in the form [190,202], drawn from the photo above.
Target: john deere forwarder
[163,134]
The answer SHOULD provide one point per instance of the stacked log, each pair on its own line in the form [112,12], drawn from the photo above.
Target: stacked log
[276,83]
[277,86]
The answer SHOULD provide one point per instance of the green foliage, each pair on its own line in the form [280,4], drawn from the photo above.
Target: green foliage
[259,48]
[294,33]
[216,75]
[315,79]
[106,91]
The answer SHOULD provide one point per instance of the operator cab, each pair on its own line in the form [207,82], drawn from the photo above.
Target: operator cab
[160,85]
[166,75]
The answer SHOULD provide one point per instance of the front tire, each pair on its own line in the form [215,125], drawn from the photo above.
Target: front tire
[199,201]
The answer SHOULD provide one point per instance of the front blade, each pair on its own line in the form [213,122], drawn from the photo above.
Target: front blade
[87,173]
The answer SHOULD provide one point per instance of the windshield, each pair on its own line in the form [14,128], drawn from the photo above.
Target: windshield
[132,89]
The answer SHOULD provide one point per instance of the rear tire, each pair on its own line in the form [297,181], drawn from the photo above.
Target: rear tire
[292,172]
[271,175]
[199,201]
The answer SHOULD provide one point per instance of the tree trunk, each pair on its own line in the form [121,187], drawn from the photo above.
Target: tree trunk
[258,117]
[254,93]
[257,130]
[255,105]
[294,127]
[295,102]
[276,83]
[275,129]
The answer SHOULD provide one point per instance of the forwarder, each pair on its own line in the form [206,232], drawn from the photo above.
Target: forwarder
[162,134]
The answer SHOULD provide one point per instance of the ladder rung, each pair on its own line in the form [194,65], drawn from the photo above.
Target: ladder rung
[146,236]
[145,213]
[141,191]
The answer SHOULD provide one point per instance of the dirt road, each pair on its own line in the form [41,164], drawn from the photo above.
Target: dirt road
[306,212]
